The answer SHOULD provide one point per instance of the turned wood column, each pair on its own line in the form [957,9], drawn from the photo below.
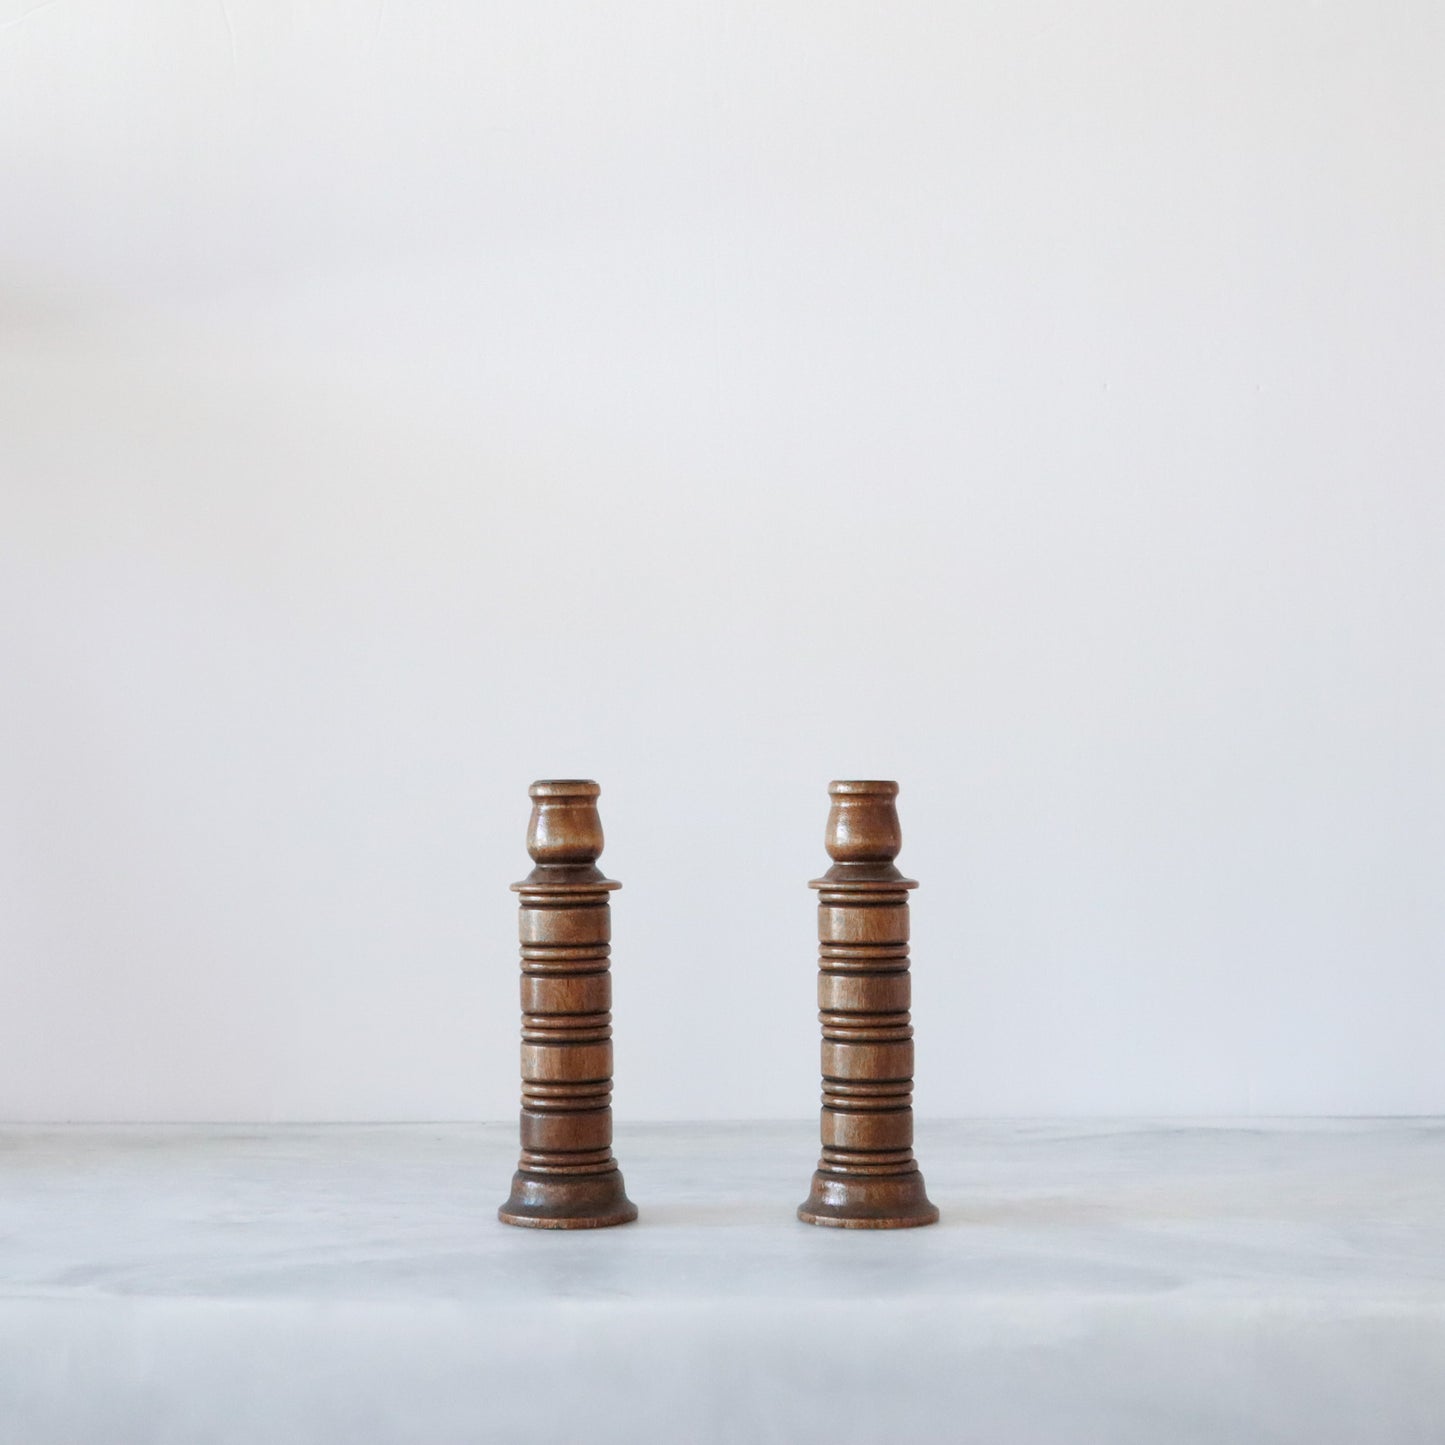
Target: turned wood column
[566,1177]
[867,1177]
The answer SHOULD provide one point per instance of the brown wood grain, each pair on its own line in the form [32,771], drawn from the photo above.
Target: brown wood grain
[566,1177]
[867,1177]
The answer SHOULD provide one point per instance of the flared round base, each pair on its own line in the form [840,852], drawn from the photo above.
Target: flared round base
[893,1202]
[593,1201]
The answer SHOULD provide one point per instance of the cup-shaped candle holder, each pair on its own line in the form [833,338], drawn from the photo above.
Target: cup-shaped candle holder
[566,1177]
[867,1177]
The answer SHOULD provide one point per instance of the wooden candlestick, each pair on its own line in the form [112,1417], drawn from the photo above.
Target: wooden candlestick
[566,1177]
[867,1177]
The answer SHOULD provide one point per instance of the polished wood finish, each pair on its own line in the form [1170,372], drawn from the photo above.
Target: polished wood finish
[867,1177]
[566,1177]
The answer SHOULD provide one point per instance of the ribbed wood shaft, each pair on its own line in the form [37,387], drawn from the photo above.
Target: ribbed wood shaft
[566,1033]
[566,1176]
[867,1055]
[867,1176]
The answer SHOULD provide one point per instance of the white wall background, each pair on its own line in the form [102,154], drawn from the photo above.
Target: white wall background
[1042,404]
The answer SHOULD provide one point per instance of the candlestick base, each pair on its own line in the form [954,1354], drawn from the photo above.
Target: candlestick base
[900,1202]
[597,1201]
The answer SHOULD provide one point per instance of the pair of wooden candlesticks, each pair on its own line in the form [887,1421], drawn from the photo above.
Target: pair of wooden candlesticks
[567,1177]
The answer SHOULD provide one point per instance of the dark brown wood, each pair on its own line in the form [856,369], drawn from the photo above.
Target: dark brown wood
[867,1177]
[566,1177]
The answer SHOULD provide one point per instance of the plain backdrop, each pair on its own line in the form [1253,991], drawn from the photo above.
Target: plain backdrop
[1040,403]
